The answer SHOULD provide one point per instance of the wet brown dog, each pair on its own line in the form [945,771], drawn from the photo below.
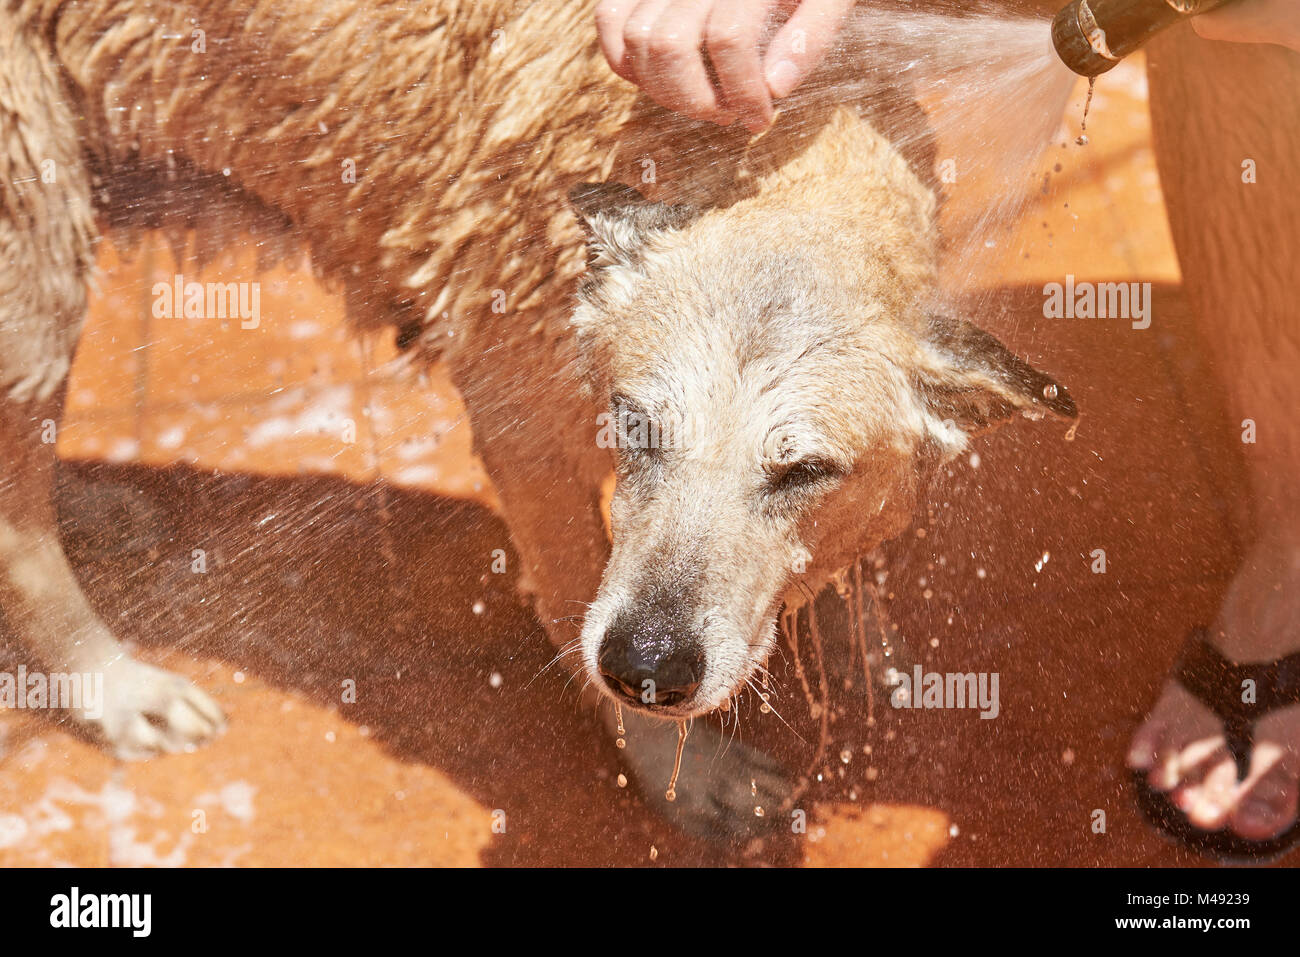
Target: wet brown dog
[769,310]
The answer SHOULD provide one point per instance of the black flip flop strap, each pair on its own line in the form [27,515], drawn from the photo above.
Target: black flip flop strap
[1220,685]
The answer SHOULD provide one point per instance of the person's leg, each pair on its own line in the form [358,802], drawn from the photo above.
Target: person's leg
[1226,120]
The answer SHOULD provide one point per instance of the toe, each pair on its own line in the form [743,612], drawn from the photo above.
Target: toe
[185,726]
[1147,742]
[209,710]
[140,740]
[1207,797]
[1266,804]
[1180,736]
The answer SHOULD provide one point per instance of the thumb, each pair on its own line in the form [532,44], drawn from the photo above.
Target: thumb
[801,43]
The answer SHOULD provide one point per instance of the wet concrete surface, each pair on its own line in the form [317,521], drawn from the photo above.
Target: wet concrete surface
[389,696]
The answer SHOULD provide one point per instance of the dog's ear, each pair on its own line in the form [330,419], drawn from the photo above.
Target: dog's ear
[968,382]
[619,221]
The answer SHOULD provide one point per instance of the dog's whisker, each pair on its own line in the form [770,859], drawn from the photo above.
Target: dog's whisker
[803,587]
[750,682]
[570,681]
[735,721]
[570,648]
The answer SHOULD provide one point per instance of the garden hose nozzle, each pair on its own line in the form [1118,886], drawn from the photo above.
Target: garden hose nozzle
[1092,36]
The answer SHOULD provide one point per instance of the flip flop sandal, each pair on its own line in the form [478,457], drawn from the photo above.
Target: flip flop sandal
[1217,683]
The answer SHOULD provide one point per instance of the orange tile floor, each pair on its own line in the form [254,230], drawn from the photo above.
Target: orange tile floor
[276,450]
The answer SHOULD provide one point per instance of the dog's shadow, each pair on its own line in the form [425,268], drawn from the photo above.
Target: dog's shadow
[304,583]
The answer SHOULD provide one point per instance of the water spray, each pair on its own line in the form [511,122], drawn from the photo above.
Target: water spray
[1092,36]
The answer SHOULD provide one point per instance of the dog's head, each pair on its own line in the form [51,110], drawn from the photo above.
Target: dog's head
[774,391]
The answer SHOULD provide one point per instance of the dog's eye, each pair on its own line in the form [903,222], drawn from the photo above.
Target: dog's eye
[802,475]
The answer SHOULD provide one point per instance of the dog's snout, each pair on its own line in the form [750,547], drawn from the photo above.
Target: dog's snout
[651,660]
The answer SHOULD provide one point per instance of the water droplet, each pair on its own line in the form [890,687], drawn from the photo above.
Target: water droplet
[622,780]
[1083,126]
[1050,391]
[671,793]
[846,755]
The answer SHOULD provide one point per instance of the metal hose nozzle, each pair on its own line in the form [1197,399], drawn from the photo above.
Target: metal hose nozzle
[1092,36]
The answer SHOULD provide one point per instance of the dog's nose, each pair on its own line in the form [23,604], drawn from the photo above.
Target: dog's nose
[650,662]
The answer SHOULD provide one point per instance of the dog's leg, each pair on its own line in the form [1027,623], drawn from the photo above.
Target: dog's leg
[144,710]
[537,439]
[46,231]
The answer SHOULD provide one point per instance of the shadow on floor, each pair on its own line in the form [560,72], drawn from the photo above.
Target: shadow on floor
[308,586]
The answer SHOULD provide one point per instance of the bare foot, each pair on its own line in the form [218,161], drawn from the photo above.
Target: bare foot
[1181,746]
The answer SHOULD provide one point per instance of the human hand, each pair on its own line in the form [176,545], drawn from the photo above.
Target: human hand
[1253,21]
[662,45]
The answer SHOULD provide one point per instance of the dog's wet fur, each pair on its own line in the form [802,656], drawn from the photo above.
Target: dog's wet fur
[768,313]
[795,391]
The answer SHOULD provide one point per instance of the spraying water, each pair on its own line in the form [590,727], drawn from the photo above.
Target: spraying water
[999,67]
[994,91]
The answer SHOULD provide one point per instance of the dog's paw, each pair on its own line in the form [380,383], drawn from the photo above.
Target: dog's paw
[148,711]
[726,790]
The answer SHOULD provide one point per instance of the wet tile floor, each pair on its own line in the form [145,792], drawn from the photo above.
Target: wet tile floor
[278,450]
